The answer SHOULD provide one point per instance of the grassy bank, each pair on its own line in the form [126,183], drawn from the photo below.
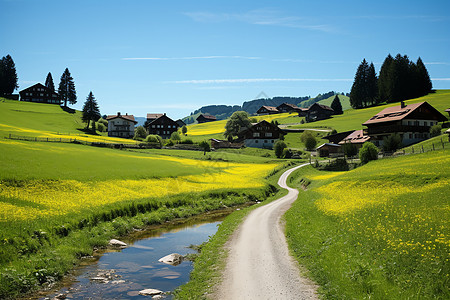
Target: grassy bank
[209,265]
[380,231]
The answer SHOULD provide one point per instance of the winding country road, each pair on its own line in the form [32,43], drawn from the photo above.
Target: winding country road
[259,265]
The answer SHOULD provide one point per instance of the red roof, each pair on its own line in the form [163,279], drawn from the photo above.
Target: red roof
[125,117]
[396,113]
[356,137]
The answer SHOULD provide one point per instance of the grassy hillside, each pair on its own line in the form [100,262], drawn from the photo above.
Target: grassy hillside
[380,231]
[353,118]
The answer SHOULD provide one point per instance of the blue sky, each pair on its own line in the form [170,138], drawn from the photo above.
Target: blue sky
[175,56]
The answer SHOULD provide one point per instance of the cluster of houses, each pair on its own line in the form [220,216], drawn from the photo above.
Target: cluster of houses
[315,112]
[412,122]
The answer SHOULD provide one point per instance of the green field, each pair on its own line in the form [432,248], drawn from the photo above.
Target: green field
[380,231]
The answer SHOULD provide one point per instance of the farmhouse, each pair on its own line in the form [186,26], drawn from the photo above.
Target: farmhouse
[121,125]
[356,138]
[39,93]
[337,137]
[301,111]
[328,149]
[261,135]
[162,125]
[267,110]
[412,122]
[318,112]
[203,118]
[287,107]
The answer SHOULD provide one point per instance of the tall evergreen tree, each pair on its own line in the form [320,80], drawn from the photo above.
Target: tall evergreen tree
[91,111]
[401,79]
[424,81]
[372,86]
[66,89]
[49,82]
[8,76]
[337,106]
[359,92]
[385,80]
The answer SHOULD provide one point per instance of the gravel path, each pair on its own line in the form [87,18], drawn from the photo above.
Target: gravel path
[259,265]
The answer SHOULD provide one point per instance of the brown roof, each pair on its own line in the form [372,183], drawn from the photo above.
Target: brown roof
[125,116]
[154,116]
[270,108]
[210,117]
[293,106]
[322,106]
[396,113]
[356,137]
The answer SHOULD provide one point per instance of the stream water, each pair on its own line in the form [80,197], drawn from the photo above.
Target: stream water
[136,267]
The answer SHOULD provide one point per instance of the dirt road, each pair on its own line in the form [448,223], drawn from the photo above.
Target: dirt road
[259,265]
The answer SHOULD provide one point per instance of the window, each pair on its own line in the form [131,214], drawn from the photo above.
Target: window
[268,134]
[153,126]
[255,134]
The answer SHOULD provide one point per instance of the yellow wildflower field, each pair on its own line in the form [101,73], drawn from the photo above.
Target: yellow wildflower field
[38,199]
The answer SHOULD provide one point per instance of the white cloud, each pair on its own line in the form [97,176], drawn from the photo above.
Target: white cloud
[194,57]
[268,17]
[253,80]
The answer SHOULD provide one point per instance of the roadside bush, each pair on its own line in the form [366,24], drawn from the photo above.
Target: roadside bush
[392,142]
[140,133]
[435,130]
[368,152]
[154,139]
[340,164]
[175,136]
[278,148]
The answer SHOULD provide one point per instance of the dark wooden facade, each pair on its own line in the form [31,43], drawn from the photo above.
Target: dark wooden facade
[162,126]
[287,107]
[39,93]
[206,118]
[261,135]
[267,110]
[318,112]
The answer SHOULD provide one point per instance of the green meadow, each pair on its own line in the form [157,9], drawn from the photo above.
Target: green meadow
[380,231]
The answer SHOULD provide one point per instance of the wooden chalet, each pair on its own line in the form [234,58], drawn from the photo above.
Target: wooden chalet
[357,138]
[121,125]
[203,118]
[267,110]
[337,137]
[287,108]
[261,135]
[39,93]
[302,112]
[412,122]
[328,149]
[162,125]
[318,112]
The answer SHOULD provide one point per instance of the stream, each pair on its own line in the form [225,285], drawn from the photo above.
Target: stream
[135,268]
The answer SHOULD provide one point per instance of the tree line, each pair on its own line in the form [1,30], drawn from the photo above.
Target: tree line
[399,79]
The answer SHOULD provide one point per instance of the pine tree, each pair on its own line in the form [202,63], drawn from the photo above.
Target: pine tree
[66,88]
[8,76]
[358,93]
[401,79]
[337,106]
[424,81]
[91,110]
[49,82]
[385,80]
[372,86]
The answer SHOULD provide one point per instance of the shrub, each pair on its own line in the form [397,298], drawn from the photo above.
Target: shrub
[435,130]
[154,139]
[309,140]
[184,130]
[175,136]
[287,153]
[205,146]
[169,143]
[101,127]
[187,141]
[392,142]
[368,152]
[349,149]
[279,147]
[140,133]
[103,121]
[340,164]
[334,131]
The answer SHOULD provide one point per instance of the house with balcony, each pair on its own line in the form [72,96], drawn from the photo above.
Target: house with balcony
[162,125]
[260,135]
[317,112]
[412,122]
[39,93]
[121,125]
[287,107]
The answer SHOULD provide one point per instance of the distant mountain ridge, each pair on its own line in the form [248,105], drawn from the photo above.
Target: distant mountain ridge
[222,112]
